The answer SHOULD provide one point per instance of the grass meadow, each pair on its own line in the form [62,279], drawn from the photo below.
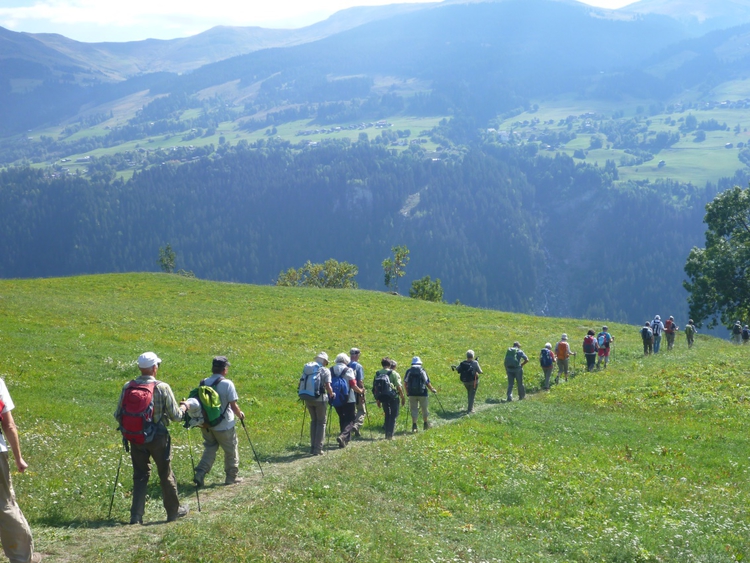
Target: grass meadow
[645,461]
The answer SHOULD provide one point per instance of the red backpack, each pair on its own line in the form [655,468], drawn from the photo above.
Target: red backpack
[589,344]
[137,414]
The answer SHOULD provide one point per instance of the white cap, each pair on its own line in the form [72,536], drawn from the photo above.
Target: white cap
[148,359]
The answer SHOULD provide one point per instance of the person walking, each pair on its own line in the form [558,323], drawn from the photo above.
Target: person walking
[417,384]
[547,363]
[345,409]
[745,334]
[603,340]
[670,329]
[515,359]
[647,335]
[224,434]
[389,404]
[468,372]
[159,446]
[318,406]
[657,327]
[563,354]
[15,534]
[737,333]
[359,375]
[690,332]
[590,348]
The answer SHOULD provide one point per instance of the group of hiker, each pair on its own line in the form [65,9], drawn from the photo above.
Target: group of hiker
[653,331]
[342,388]
[144,411]
[740,334]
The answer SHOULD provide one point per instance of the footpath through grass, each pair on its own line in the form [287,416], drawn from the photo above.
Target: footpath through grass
[645,461]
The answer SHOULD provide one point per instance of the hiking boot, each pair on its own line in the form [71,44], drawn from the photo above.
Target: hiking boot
[136,520]
[414,427]
[233,480]
[181,513]
[557,380]
[355,432]
[342,443]
[426,425]
[198,479]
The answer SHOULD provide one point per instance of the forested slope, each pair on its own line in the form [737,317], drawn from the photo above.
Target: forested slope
[501,227]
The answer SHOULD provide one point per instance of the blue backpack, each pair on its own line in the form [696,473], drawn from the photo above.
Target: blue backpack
[341,388]
[545,358]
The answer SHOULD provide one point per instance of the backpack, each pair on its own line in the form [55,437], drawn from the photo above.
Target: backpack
[466,371]
[545,358]
[416,382]
[737,329]
[382,388]
[602,340]
[669,326]
[745,334]
[340,388]
[646,334]
[210,403]
[310,382]
[656,327]
[137,416]
[690,330]
[511,358]
[589,344]
[562,350]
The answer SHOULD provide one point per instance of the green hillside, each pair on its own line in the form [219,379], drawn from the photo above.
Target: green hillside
[646,461]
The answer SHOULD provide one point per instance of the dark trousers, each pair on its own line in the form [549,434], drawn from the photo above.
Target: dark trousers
[590,361]
[140,454]
[347,417]
[390,410]
[471,392]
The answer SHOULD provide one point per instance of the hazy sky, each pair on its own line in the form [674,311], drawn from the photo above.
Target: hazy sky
[109,20]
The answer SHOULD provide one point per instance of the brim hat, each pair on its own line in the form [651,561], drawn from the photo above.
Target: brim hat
[416,361]
[322,356]
[564,336]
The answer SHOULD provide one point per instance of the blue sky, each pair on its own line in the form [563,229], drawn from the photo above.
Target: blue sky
[109,20]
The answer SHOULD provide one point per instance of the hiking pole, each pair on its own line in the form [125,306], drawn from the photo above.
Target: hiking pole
[440,403]
[328,427]
[192,463]
[117,477]
[242,420]
[369,423]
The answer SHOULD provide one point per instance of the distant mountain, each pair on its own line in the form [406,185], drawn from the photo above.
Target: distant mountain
[698,16]
[118,61]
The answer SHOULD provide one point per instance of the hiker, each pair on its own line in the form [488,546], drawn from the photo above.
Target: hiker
[345,389]
[15,534]
[690,332]
[647,335]
[657,327]
[563,354]
[316,400]
[387,389]
[417,382]
[670,329]
[737,333]
[547,362]
[359,375]
[223,434]
[590,348]
[515,359]
[468,372]
[745,334]
[603,340]
[150,439]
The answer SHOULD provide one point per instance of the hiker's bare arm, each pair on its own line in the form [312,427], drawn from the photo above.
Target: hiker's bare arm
[11,434]
[236,410]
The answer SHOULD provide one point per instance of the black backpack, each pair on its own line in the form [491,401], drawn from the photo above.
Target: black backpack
[417,382]
[646,333]
[382,388]
[466,371]
[745,334]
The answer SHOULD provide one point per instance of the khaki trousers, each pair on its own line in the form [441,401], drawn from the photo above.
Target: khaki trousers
[212,440]
[15,533]
[161,451]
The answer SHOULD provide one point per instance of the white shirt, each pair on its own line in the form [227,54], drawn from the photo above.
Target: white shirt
[9,406]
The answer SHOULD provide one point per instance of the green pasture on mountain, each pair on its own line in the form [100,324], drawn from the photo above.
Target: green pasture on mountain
[645,461]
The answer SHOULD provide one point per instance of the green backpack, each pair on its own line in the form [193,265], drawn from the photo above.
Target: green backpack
[210,403]
[511,358]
